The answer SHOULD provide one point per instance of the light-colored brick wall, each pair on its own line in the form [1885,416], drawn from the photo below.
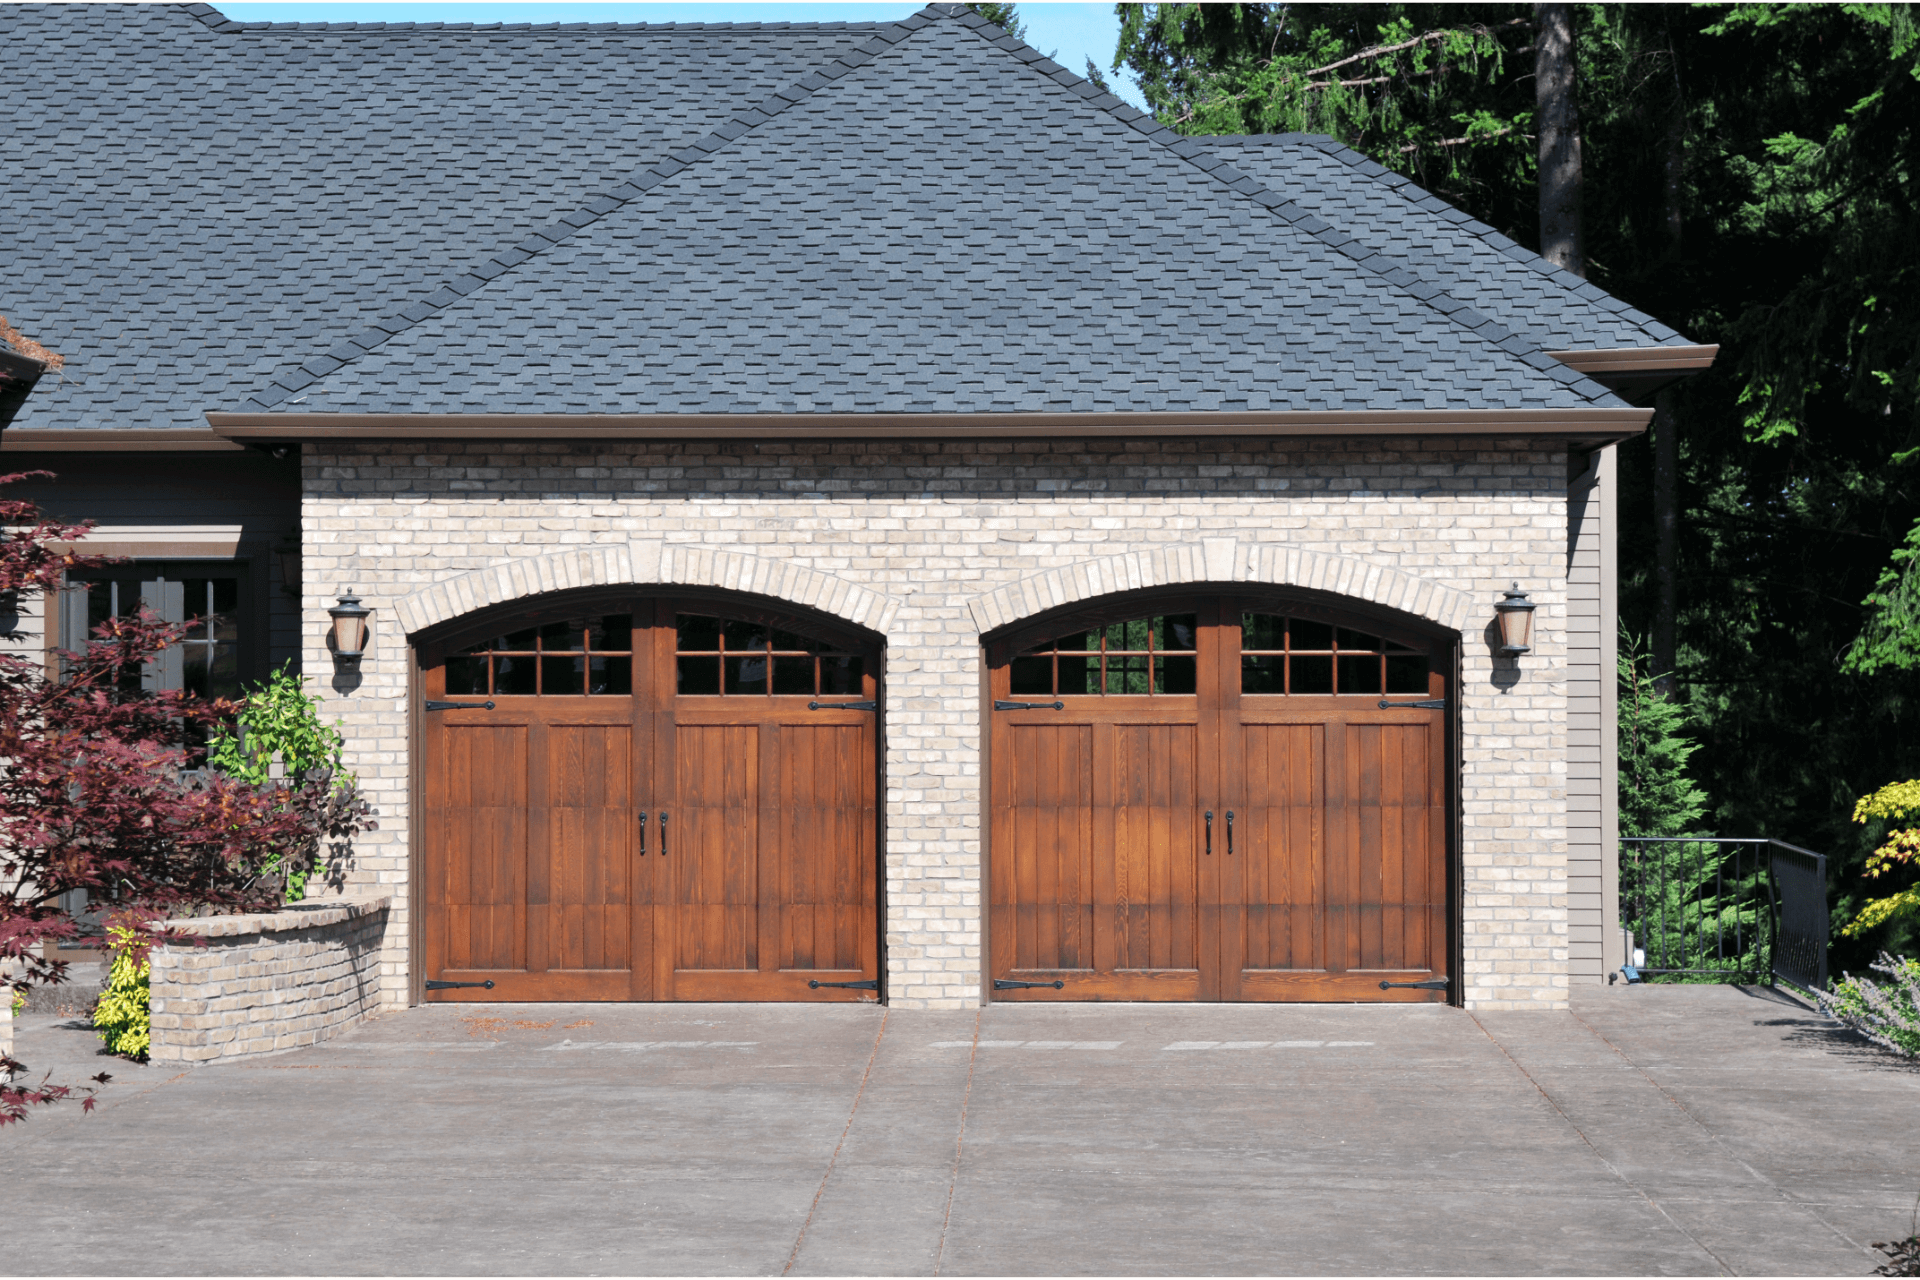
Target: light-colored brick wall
[263,983]
[933,542]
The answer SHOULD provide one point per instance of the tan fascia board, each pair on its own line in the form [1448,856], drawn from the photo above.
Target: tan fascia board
[1599,425]
[1639,359]
[108,440]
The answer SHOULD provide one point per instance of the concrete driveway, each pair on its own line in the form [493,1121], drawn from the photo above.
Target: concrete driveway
[1652,1131]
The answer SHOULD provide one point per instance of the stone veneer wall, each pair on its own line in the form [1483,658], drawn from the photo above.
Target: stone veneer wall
[932,543]
[263,983]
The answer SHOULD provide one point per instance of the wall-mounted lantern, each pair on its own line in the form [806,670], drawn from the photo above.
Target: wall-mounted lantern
[349,629]
[1516,622]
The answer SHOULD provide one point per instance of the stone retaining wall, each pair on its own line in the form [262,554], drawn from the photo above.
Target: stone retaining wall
[263,983]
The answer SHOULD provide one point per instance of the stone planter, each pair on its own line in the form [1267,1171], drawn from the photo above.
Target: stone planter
[264,983]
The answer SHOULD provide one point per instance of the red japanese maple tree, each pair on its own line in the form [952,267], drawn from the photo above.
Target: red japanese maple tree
[95,791]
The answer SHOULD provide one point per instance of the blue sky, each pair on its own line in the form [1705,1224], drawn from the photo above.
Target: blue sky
[1071,32]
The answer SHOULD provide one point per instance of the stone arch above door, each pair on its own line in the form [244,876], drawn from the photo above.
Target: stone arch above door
[645,564]
[1221,560]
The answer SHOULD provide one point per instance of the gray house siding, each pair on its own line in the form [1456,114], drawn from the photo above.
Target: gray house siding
[1593,819]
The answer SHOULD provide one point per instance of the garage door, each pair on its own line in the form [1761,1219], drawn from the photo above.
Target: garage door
[1223,799]
[663,800]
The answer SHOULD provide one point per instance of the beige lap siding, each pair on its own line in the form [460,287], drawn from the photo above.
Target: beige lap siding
[932,542]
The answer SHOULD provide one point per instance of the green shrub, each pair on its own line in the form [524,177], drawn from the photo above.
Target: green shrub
[280,718]
[124,1014]
[1888,1015]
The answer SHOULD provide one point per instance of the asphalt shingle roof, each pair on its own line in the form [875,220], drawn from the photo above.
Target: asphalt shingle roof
[195,206]
[1409,225]
[925,216]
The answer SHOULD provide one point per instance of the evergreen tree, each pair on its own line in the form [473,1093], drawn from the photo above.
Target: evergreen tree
[1657,798]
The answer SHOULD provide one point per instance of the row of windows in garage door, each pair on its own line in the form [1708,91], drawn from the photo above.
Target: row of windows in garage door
[1153,834]
[1156,655]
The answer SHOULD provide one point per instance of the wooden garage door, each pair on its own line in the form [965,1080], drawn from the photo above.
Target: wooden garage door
[664,801]
[1209,802]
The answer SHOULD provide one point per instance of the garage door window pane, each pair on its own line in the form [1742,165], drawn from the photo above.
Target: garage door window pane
[1282,655]
[1143,656]
[554,660]
[735,658]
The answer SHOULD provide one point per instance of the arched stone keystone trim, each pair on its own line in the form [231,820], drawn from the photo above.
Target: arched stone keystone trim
[1225,560]
[645,564]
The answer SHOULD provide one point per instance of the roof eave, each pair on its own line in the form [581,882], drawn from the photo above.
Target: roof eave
[18,374]
[1637,374]
[1581,425]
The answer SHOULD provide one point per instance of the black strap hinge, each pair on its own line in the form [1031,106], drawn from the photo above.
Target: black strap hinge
[999,705]
[1427,704]
[868,984]
[843,706]
[436,704]
[434,984]
[1431,984]
[1011,984]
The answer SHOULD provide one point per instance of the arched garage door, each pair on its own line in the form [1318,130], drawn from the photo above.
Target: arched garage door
[649,800]
[1206,799]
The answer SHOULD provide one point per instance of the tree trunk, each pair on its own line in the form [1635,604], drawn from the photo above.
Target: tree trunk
[1666,541]
[1666,434]
[1558,118]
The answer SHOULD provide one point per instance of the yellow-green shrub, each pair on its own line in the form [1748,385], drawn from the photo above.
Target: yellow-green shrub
[124,1015]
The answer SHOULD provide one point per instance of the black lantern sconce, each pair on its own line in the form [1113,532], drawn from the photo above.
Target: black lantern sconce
[1516,622]
[349,629]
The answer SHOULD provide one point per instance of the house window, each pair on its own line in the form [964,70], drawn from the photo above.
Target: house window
[208,598]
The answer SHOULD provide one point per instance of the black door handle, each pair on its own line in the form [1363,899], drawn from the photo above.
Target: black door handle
[1209,833]
[663,833]
[1229,833]
[643,833]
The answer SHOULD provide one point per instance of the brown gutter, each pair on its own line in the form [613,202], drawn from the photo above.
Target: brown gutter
[18,374]
[108,440]
[1636,373]
[1578,424]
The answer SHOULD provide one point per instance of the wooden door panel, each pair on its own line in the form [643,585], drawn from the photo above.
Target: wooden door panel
[1043,848]
[1095,844]
[1146,780]
[476,856]
[711,850]
[821,893]
[1395,893]
[1280,847]
[589,816]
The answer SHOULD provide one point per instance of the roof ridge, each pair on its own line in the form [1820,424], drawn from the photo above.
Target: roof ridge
[371,336]
[1193,150]
[214,20]
[1506,246]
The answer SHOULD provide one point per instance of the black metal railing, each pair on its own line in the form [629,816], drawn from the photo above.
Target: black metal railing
[1736,909]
